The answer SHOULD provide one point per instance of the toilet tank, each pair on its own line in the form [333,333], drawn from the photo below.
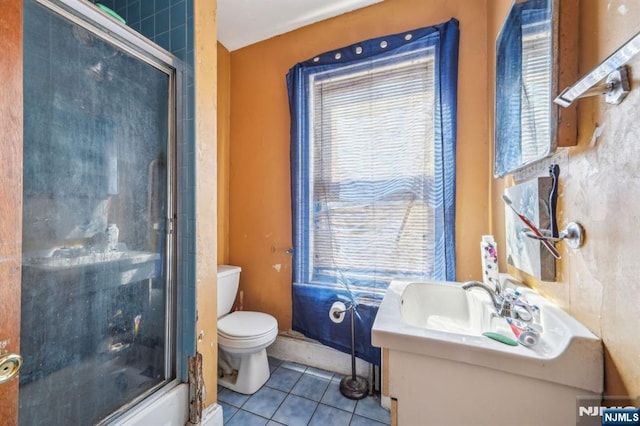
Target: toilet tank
[228,279]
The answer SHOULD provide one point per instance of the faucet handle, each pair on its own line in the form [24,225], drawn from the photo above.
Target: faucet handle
[527,312]
[517,307]
[523,312]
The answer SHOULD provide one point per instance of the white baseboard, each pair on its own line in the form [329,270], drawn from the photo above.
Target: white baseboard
[292,346]
[385,402]
[212,416]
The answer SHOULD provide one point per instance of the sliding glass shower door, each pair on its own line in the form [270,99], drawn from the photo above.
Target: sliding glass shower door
[97,298]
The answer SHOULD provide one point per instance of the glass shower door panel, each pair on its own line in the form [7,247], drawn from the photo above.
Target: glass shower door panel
[94,277]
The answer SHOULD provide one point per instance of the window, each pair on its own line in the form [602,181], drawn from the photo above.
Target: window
[373,130]
[372,166]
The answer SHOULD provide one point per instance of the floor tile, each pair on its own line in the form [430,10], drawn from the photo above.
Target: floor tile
[293,366]
[245,418]
[320,373]
[232,398]
[370,407]
[363,421]
[227,411]
[326,415]
[265,402]
[295,411]
[273,363]
[290,398]
[334,398]
[283,379]
[310,387]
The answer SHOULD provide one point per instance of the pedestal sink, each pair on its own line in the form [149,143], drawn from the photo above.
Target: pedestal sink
[439,367]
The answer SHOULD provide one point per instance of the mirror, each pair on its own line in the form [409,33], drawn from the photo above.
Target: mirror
[533,59]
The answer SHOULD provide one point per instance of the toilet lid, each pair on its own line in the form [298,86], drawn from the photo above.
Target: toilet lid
[243,324]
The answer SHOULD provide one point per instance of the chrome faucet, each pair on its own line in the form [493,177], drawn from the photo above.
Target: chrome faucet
[496,298]
[506,302]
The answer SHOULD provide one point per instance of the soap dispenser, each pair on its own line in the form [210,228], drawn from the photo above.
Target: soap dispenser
[489,257]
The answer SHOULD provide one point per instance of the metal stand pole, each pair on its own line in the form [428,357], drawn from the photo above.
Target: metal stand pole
[353,387]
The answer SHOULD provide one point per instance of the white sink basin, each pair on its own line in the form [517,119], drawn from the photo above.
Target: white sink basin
[446,307]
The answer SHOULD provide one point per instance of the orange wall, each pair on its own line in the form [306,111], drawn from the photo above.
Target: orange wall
[205,76]
[496,12]
[224,123]
[599,187]
[259,195]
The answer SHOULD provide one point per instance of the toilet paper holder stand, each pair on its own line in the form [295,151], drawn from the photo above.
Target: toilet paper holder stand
[353,386]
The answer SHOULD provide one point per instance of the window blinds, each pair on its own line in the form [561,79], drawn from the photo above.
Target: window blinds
[536,95]
[372,133]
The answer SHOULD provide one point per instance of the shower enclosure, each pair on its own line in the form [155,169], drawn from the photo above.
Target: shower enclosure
[98,301]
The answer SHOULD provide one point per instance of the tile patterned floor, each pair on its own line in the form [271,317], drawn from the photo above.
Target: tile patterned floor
[299,395]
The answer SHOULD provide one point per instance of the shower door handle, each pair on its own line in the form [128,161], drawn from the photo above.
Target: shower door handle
[9,366]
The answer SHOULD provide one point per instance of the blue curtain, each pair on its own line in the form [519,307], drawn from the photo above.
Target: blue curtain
[312,298]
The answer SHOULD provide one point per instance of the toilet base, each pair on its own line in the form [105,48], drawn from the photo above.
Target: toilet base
[249,371]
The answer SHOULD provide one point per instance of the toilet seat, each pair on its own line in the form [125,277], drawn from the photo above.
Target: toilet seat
[242,330]
[242,324]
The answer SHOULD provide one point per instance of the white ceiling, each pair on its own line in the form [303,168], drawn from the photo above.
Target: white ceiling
[244,22]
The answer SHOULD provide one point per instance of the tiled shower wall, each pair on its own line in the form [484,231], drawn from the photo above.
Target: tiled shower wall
[168,23]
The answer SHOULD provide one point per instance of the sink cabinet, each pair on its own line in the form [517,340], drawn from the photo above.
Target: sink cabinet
[431,390]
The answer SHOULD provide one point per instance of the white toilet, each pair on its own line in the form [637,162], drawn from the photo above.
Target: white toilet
[243,337]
